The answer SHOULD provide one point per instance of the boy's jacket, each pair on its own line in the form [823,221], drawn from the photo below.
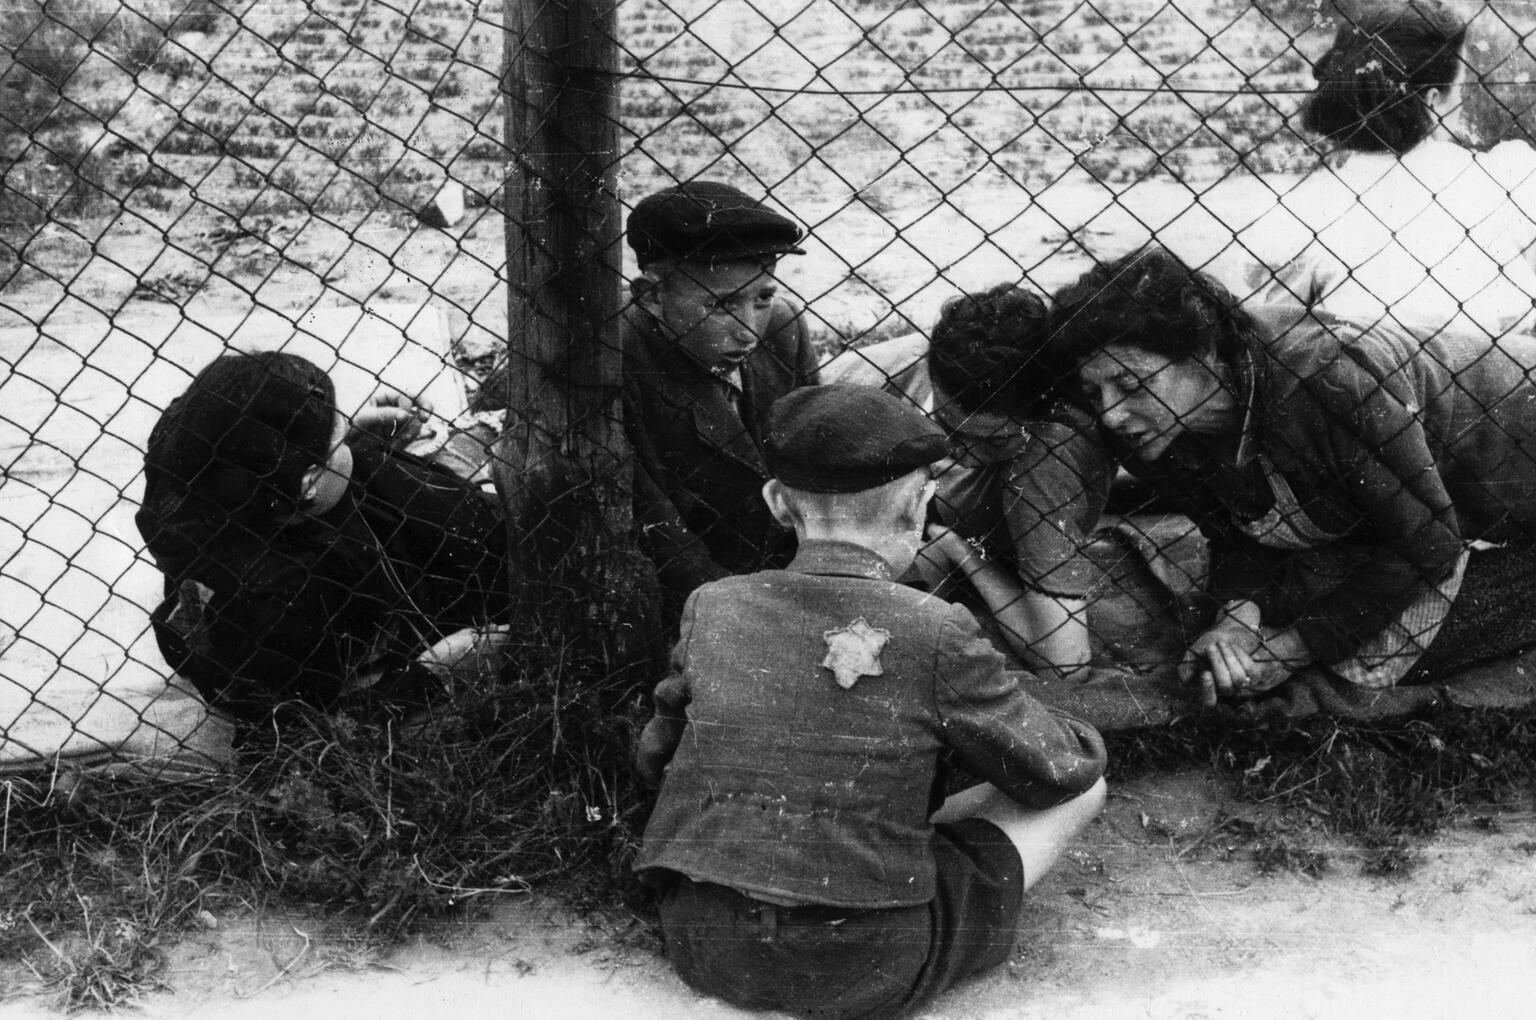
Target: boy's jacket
[782,782]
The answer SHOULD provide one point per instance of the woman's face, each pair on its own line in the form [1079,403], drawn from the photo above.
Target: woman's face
[332,477]
[1144,399]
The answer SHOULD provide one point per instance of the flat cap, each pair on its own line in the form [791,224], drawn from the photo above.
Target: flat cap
[843,438]
[707,221]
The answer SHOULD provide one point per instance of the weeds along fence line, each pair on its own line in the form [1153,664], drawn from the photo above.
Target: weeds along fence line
[428,196]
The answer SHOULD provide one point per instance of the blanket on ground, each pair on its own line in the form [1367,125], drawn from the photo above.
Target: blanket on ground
[134,722]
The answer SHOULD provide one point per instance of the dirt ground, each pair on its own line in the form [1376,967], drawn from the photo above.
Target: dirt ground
[1148,918]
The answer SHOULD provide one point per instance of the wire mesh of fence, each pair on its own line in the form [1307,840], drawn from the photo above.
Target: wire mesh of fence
[334,180]
[188,178]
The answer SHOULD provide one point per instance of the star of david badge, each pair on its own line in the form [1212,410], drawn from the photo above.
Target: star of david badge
[854,651]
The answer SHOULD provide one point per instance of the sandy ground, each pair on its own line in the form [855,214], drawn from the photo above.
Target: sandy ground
[1144,919]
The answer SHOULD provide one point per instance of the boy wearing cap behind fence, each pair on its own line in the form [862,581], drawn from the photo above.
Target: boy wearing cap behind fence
[709,344]
[796,743]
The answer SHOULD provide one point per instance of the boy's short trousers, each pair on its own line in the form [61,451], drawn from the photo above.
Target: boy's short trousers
[840,962]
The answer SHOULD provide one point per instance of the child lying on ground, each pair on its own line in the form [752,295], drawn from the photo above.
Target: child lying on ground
[796,742]
[307,559]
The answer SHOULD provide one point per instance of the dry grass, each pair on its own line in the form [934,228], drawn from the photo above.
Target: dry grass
[1382,787]
[384,829]
[380,828]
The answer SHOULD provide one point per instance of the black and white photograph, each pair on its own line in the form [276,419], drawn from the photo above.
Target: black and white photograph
[840,509]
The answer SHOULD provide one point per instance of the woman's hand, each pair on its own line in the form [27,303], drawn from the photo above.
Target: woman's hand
[1240,658]
[1281,654]
[1220,660]
[393,417]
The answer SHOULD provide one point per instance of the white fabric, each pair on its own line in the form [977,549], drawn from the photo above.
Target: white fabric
[878,364]
[1438,237]
[133,720]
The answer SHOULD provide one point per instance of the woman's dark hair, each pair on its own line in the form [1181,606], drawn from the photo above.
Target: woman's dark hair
[1371,84]
[241,437]
[989,352]
[1150,300]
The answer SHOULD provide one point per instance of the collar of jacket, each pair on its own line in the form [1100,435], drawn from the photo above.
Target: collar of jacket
[1247,388]
[704,396]
[669,355]
[1283,330]
[845,559]
[1272,323]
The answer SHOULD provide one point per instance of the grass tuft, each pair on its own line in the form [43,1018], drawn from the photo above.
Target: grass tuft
[383,828]
[1279,852]
[1380,785]
[379,827]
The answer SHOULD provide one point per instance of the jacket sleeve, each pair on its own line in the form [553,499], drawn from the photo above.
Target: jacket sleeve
[283,642]
[659,740]
[1035,755]
[1055,495]
[807,359]
[682,560]
[1370,441]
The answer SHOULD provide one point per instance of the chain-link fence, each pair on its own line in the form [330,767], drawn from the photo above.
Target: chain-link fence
[183,179]
[329,179]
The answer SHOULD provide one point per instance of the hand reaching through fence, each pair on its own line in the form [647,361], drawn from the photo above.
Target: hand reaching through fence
[1240,657]
[394,417]
[474,653]
[1221,661]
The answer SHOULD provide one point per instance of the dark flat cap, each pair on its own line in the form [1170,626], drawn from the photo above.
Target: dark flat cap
[843,438]
[706,221]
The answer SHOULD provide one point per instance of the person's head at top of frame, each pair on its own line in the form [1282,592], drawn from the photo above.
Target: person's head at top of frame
[708,254]
[255,437]
[1156,347]
[1392,78]
[991,363]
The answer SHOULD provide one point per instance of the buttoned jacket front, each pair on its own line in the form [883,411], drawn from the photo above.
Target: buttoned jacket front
[699,468]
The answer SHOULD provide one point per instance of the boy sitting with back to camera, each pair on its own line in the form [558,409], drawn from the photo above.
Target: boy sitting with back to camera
[709,344]
[796,742]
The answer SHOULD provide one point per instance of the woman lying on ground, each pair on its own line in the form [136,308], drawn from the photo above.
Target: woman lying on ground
[307,559]
[1029,476]
[1340,472]
[1405,224]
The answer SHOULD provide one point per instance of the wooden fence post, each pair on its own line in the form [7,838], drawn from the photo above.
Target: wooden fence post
[563,468]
